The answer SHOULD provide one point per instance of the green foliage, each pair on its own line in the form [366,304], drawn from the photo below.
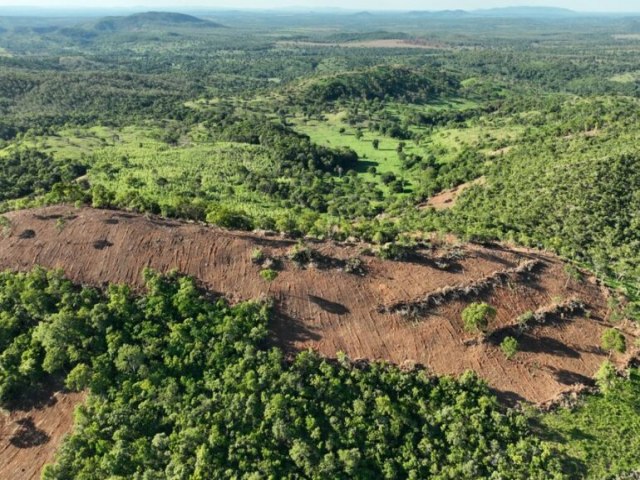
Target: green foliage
[395,251]
[597,438]
[509,347]
[183,387]
[606,376]
[397,82]
[476,316]
[26,172]
[269,274]
[230,218]
[258,256]
[613,341]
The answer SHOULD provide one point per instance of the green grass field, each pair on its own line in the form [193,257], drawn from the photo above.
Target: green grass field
[384,159]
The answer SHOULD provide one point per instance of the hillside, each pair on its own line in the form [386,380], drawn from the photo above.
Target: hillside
[390,82]
[330,310]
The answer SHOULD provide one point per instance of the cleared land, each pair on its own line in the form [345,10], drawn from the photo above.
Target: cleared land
[330,310]
[29,437]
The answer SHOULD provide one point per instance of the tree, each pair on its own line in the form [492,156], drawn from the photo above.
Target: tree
[605,377]
[376,143]
[78,379]
[613,341]
[509,347]
[476,317]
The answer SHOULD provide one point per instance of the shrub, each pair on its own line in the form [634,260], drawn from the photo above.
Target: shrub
[613,341]
[476,317]
[303,255]
[395,251]
[257,256]
[268,274]
[525,319]
[355,265]
[509,347]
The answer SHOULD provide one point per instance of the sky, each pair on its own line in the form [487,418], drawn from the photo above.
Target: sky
[581,5]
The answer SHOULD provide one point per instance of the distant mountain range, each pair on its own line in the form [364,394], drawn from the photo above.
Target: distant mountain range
[505,12]
[121,19]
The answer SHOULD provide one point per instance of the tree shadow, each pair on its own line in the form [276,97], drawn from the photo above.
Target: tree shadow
[508,398]
[328,306]
[285,331]
[572,378]
[363,165]
[27,234]
[38,396]
[102,244]
[548,345]
[53,216]
[28,435]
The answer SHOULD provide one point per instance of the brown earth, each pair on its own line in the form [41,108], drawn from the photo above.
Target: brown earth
[327,309]
[447,198]
[30,437]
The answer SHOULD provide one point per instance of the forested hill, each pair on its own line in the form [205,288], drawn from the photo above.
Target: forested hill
[151,20]
[384,82]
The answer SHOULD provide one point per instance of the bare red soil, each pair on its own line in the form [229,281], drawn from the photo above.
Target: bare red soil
[29,438]
[330,310]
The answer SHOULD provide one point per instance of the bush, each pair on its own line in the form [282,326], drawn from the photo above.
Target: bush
[613,341]
[509,347]
[303,255]
[395,251]
[257,256]
[525,319]
[476,317]
[269,274]
[355,266]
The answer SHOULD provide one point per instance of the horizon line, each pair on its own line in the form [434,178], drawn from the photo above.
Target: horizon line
[218,8]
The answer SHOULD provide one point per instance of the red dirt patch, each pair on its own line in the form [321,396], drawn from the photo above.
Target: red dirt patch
[29,439]
[331,310]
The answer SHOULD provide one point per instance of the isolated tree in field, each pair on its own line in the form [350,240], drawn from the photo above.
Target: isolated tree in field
[613,341]
[509,347]
[476,317]
[376,143]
